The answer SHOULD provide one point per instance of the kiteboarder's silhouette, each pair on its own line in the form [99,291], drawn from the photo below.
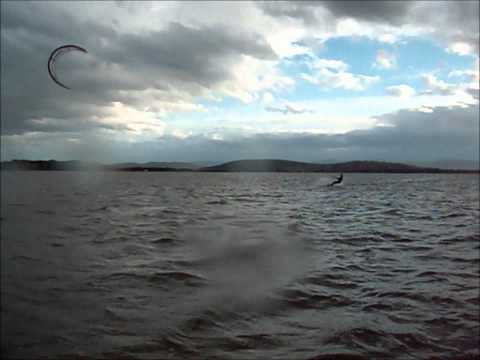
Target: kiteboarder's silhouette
[338,181]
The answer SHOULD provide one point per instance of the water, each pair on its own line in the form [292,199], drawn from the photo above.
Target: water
[239,266]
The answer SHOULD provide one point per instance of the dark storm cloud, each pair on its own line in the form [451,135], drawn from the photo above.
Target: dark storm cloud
[201,56]
[77,125]
[474,92]
[383,11]
[178,57]
[378,11]
[451,21]
[301,10]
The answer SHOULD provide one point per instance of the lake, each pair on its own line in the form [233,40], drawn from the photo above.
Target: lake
[239,265]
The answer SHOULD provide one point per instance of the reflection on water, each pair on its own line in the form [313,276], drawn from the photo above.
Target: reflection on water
[239,266]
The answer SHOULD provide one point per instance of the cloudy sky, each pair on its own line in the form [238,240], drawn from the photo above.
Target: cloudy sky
[213,81]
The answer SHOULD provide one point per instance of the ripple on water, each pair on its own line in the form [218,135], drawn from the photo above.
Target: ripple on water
[240,266]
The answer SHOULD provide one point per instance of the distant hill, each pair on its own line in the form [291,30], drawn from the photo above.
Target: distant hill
[150,165]
[272,165]
[49,165]
[263,165]
[75,165]
[451,164]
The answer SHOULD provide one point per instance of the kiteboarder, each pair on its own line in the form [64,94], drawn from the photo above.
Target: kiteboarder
[338,181]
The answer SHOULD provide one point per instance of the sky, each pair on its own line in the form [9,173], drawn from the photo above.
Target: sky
[219,81]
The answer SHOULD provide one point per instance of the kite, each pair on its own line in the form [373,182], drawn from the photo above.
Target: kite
[54,56]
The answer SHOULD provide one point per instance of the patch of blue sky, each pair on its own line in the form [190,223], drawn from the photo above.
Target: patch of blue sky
[418,56]
[357,52]
[413,57]
[305,90]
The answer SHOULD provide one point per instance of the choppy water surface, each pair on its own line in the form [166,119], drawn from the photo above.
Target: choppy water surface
[239,266]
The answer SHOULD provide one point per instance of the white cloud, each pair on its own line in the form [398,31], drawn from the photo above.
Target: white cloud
[384,33]
[388,38]
[401,90]
[425,109]
[250,76]
[470,75]
[461,73]
[461,48]
[436,85]
[385,60]
[332,73]
[267,98]
[340,79]
[465,93]
[137,123]
[289,108]
[336,65]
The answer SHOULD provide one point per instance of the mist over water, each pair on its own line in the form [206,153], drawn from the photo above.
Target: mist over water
[239,266]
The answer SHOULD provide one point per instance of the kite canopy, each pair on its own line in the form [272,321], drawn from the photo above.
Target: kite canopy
[55,55]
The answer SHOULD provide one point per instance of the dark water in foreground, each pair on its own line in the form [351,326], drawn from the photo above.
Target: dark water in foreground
[239,266]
